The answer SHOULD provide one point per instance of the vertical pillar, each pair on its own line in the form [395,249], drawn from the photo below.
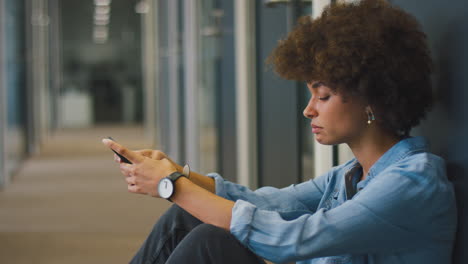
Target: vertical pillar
[191,61]
[175,95]
[38,73]
[246,93]
[55,59]
[149,18]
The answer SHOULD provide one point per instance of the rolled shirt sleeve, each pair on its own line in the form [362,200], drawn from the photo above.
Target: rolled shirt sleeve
[297,197]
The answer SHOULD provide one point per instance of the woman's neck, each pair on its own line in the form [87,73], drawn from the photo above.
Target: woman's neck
[370,147]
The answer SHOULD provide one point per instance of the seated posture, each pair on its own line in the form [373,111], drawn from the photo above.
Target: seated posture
[367,67]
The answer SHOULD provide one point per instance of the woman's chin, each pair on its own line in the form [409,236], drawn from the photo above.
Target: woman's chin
[324,140]
[320,139]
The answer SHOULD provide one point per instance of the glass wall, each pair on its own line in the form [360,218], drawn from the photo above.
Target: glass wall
[284,147]
[2,96]
[214,90]
[196,89]
[14,82]
[28,83]
[102,63]
[193,99]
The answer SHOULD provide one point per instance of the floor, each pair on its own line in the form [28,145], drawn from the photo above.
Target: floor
[70,204]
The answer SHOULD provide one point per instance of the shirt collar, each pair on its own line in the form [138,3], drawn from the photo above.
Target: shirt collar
[397,152]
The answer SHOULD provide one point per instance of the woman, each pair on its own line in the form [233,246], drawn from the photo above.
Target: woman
[367,67]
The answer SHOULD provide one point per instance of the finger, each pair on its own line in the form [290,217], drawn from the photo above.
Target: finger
[117,159]
[126,169]
[130,180]
[144,152]
[133,189]
[126,174]
[158,155]
[130,155]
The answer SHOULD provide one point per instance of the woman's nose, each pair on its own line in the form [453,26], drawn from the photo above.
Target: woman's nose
[309,111]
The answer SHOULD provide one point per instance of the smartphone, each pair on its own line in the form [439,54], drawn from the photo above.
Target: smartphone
[122,158]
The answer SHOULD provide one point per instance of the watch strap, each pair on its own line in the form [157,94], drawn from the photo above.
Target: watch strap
[175,176]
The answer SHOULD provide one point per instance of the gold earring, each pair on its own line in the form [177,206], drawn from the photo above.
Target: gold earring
[370,115]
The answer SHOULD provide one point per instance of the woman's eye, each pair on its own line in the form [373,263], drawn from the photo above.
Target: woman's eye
[324,98]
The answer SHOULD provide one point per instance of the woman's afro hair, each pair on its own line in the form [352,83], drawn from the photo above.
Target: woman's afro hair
[368,49]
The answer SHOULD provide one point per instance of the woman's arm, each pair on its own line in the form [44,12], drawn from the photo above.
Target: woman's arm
[195,196]
[405,209]
[265,198]
[144,174]
[203,181]
[204,205]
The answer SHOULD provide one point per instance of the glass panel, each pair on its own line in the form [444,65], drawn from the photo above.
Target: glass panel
[15,83]
[2,97]
[209,39]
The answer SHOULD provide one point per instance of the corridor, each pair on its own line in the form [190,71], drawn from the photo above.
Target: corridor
[70,204]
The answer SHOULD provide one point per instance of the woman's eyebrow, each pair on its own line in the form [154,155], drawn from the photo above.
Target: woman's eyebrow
[317,84]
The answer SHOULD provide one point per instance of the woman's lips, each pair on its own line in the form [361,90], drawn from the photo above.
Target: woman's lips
[316,129]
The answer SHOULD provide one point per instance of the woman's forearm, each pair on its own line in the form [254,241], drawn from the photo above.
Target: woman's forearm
[203,203]
[203,181]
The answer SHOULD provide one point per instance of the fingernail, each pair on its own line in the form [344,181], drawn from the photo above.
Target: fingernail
[106,141]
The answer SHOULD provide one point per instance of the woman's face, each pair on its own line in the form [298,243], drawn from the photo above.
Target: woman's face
[334,120]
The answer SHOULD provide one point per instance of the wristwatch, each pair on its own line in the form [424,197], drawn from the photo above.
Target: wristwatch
[166,185]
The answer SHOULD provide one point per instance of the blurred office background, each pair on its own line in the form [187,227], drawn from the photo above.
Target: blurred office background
[184,76]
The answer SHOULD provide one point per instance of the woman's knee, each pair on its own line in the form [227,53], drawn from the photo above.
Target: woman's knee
[173,212]
[170,215]
[210,235]
[214,231]
[210,244]
[176,217]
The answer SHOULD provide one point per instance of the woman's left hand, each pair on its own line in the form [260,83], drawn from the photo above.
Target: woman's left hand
[145,173]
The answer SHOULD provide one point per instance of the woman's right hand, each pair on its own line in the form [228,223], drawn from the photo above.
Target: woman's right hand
[152,154]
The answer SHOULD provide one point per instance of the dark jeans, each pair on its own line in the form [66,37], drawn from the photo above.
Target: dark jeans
[179,238]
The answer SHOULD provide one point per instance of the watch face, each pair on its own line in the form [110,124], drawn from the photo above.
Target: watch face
[165,188]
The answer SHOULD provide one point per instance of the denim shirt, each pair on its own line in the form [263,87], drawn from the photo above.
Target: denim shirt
[403,212]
